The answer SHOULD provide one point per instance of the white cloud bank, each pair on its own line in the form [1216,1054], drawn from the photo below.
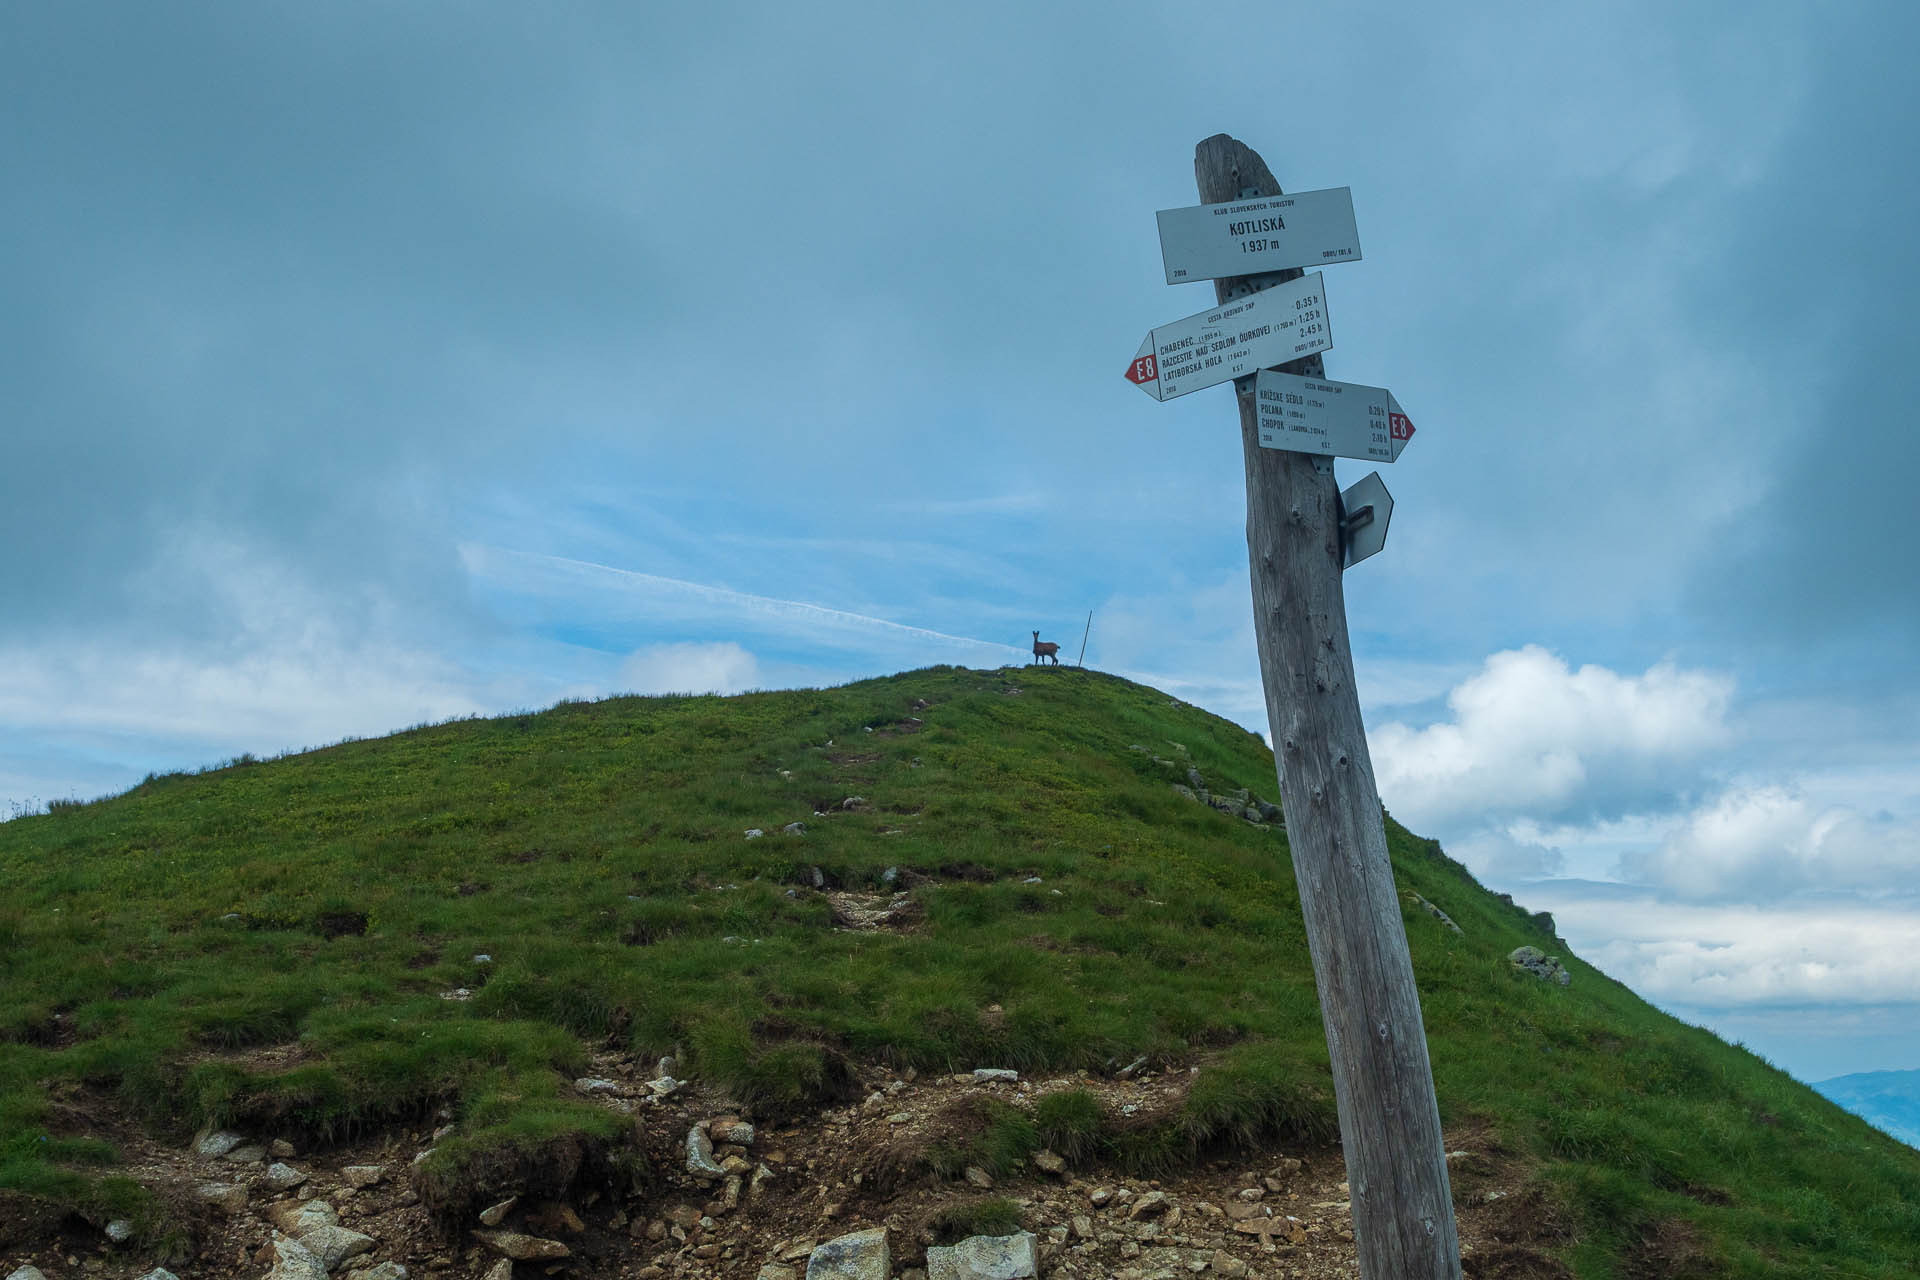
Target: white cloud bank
[1761,842]
[1532,737]
[1800,952]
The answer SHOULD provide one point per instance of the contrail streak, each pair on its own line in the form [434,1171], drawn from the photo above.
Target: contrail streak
[740,600]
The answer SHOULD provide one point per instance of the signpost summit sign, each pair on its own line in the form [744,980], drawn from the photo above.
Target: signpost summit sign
[1336,419]
[1231,340]
[1260,233]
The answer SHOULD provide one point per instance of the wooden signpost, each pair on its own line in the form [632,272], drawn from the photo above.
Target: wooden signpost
[1297,547]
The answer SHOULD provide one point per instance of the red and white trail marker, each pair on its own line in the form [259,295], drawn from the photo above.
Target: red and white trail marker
[1233,339]
[1335,419]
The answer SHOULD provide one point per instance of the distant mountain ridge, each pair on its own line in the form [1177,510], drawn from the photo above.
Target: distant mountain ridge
[1888,1100]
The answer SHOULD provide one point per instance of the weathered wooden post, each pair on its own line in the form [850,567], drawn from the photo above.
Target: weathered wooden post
[1382,1080]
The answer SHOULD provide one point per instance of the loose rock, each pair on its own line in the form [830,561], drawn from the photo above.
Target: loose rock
[360,1176]
[1150,1205]
[294,1261]
[159,1273]
[522,1248]
[216,1144]
[861,1255]
[120,1230]
[334,1245]
[26,1273]
[993,1075]
[383,1271]
[700,1161]
[297,1219]
[985,1258]
[494,1215]
[284,1177]
[1541,965]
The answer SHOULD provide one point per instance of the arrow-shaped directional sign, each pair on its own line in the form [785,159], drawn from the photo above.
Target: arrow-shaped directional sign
[1235,338]
[1261,233]
[1340,419]
[1368,507]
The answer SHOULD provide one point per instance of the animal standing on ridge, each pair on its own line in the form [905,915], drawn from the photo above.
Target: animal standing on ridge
[1045,649]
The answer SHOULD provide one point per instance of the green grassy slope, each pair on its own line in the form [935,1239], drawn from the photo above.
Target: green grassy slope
[154,945]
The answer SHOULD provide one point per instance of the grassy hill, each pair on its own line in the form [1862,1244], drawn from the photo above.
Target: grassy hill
[299,943]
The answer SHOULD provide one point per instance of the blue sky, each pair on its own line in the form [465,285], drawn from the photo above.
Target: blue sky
[366,364]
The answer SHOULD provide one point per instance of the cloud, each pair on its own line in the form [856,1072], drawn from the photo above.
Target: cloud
[1759,842]
[1502,857]
[1531,736]
[690,668]
[1802,951]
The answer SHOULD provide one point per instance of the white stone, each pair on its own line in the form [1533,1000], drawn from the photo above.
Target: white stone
[992,1075]
[294,1261]
[120,1230]
[217,1144]
[159,1273]
[27,1273]
[284,1177]
[859,1255]
[334,1245]
[985,1258]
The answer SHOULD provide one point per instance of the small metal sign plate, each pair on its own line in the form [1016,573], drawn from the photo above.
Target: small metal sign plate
[1259,233]
[1234,339]
[1337,419]
[1368,507]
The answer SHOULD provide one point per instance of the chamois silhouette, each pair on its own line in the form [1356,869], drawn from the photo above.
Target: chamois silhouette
[1046,649]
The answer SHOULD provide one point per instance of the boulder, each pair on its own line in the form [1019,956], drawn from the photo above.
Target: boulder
[294,1261]
[985,1258]
[251,1153]
[27,1273]
[995,1075]
[120,1230]
[1541,965]
[334,1245]
[860,1255]
[361,1176]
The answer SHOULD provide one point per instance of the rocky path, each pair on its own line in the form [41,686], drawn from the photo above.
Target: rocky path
[730,1198]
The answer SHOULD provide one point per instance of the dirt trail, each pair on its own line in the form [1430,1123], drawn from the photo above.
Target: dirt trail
[1261,1213]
